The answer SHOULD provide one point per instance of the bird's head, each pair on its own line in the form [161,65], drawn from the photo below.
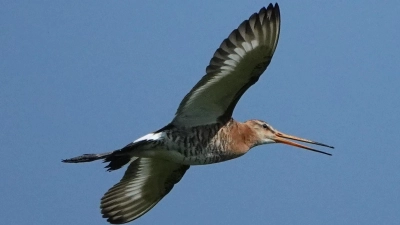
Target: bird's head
[266,134]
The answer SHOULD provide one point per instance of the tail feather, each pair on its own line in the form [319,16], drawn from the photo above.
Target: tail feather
[115,160]
[87,158]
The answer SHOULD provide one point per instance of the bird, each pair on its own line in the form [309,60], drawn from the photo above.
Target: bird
[203,130]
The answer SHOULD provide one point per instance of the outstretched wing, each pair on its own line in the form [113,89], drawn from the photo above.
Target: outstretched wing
[144,184]
[236,65]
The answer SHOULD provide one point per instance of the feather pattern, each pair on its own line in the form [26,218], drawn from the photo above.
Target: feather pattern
[236,65]
[143,185]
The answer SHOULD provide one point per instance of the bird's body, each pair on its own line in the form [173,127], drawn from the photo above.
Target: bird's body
[203,130]
[195,145]
[198,145]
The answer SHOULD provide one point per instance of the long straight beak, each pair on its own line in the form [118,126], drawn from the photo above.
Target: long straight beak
[282,138]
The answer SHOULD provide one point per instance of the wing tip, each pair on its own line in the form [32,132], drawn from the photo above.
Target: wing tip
[259,32]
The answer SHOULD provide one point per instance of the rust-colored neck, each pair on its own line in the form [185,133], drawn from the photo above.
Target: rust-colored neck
[241,137]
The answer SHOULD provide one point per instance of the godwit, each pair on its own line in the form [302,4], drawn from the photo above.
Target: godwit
[203,130]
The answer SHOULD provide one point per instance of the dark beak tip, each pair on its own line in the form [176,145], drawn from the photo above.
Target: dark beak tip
[318,143]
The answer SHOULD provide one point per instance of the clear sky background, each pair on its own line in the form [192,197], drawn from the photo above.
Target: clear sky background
[89,77]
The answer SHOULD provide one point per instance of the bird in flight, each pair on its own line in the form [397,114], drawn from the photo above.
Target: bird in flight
[203,130]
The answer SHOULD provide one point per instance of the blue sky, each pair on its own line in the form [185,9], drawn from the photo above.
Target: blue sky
[88,77]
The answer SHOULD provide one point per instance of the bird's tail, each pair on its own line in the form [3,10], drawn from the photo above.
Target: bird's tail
[87,158]
[115,159]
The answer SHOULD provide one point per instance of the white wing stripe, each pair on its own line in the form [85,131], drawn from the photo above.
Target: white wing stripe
[240,52]
[235,57]
[247,46]
[231,63]
[150,137]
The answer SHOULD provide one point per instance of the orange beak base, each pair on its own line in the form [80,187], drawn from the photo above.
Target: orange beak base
[282,138]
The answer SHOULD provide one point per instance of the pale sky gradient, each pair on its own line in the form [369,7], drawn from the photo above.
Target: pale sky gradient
[86,77]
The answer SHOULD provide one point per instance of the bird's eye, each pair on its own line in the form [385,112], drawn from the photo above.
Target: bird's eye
[265,126]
